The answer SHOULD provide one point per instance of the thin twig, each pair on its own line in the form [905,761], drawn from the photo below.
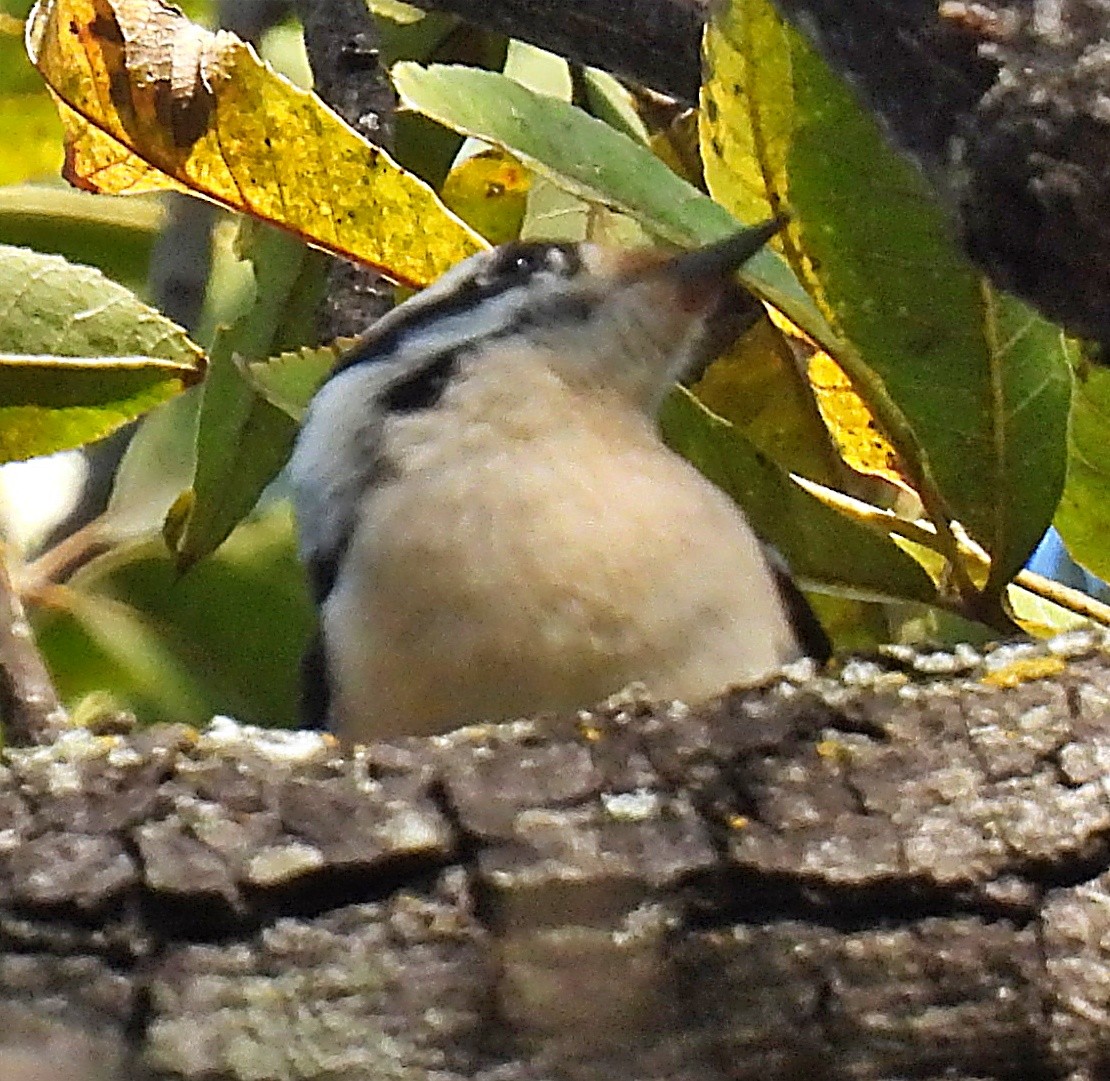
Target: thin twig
[1074,600]
[60,562]
[30,712]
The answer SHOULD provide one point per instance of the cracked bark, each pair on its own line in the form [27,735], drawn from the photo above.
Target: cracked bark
[884,874]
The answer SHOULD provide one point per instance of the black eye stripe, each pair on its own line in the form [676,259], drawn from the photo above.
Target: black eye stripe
[509,267]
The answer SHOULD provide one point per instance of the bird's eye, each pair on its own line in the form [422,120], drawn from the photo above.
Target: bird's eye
[519,262]
[526,262]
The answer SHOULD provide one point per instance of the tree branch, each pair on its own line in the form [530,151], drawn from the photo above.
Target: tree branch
[889,874]
[1001,103]
[30,712]
[653,42]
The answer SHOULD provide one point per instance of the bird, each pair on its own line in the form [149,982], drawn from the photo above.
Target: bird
[491,524]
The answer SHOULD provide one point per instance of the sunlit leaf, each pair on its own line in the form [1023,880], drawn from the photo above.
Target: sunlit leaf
[290,379]
[760,387]
[1040,617]
[489,191]
[538,70]
[971,386]
[153,101]
[550,212]
[395,10]
[857,434]
[746,118]
[80,355]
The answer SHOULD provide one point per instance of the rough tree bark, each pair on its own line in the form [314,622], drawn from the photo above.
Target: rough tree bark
[893,873]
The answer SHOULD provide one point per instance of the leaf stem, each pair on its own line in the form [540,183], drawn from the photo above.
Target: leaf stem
[68,556]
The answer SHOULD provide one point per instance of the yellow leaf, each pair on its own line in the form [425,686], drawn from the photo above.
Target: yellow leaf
[759,386]
[858,437]
[862,444]
[153,101]
[746,118]
[746,128]
[489,192]
[677,146]
[29,133]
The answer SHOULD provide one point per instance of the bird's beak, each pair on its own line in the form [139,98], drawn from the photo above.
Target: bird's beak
[702,283]
[690,305]
[722,258]
[710,265]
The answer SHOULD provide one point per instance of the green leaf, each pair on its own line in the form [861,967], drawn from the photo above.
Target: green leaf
[972,387]
[824,549]
[114,235]
[983,381]
[589,159]
[29,129]
[156,468]
[538,70]
[79,355]
[226,638]
[106,642]
[608,100]
[243,440]
[290,380]
[1041,617]
[550,213]
[1083,517]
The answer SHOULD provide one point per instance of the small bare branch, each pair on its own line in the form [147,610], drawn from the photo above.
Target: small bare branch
[30,712]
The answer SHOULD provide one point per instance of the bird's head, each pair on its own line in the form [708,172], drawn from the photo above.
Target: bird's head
[626,320]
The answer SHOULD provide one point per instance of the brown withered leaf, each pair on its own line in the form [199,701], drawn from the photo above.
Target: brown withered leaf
[151,101]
